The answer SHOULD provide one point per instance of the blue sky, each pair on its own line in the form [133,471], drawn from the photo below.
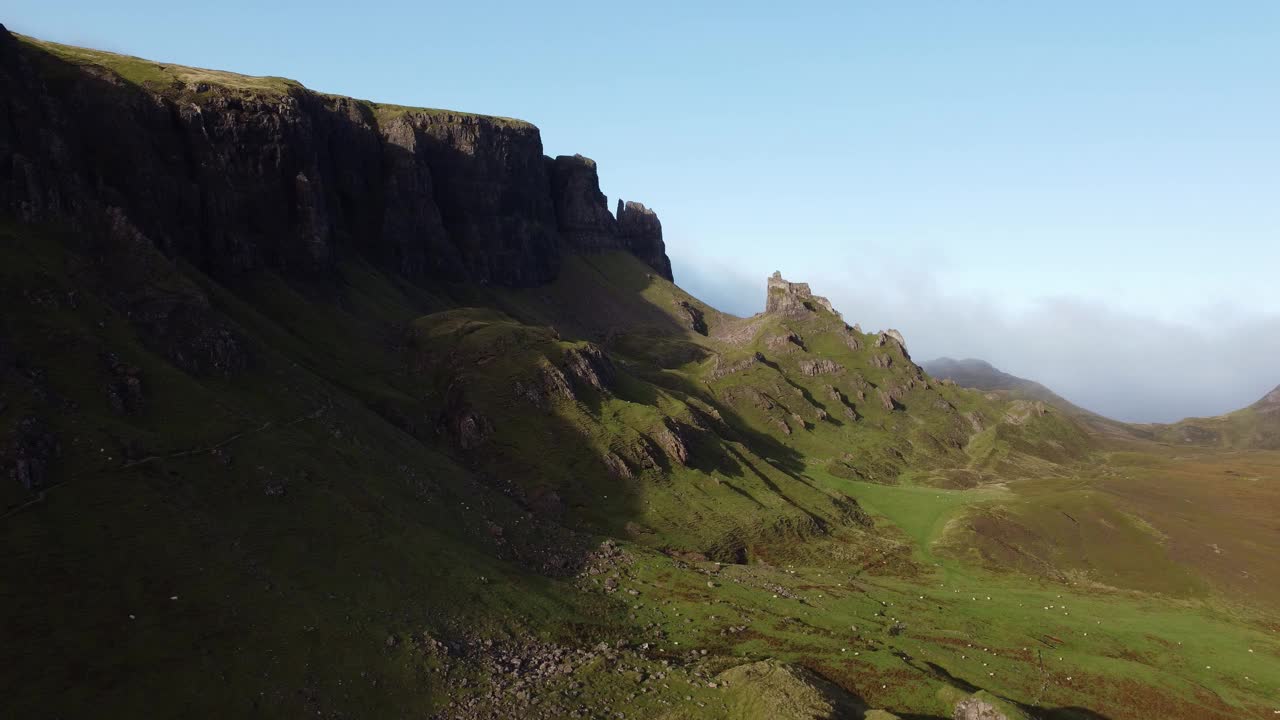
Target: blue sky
[1084,193]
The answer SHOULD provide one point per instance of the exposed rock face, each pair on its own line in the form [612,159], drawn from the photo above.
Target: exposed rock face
[697,320]
[821,366]
[582,211]
[723,369]
[672,441]
[239,179]
[590,366]
[788,298]
[888,401]
[893,339]
[641,233]
[977,709]
[786,342]
[549,383]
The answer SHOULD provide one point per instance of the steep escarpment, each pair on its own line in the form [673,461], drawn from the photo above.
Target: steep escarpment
[582,213]
[236,174]
[641,234]
[272,395]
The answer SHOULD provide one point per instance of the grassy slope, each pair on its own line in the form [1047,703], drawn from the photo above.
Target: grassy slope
[1256,427]
[1126,577]
[386,530]
[194,83]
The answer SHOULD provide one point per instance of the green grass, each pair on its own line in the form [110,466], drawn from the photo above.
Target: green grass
[160,76]
[386,528]
[195,83]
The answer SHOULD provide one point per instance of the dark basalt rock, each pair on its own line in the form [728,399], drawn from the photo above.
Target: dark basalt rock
[641,233]
[235,180]
[590,366]
[697,321]
[582,211]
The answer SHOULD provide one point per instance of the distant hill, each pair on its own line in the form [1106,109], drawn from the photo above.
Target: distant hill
[982,375]
[1255,427]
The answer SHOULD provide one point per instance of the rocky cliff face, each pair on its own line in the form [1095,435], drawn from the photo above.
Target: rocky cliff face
[788,298]
[582,211]
[235,174]
[641,233]
[582,214]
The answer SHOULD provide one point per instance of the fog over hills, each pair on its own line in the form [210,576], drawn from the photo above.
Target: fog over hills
[1108,358]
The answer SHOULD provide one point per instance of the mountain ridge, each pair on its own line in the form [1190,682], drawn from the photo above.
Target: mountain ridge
[432,432]
[1254,426]
[234,173]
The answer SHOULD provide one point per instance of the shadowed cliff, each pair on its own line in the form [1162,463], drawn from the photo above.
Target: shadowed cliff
[234,173]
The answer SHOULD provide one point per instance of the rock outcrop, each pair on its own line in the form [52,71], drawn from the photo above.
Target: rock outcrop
[976,709]
[821,366]
[584,221]
[788,298]
[641,233]
[237,174]
[582,211]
